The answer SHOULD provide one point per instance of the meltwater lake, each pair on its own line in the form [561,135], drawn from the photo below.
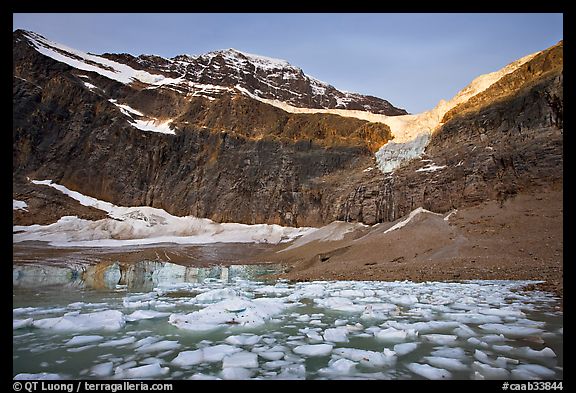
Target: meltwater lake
[160,320]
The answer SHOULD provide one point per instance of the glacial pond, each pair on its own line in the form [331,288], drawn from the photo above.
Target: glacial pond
[155,320]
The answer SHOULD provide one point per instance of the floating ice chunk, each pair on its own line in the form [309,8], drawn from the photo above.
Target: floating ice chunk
[314,336]
[368,358]
[146,341]
[472,317]
[502,312]
[404,300]
[101,320]
[119,342]
[503,348]
[313,349]
[241,359]
[351,293]
[142,300]
[394,335]
[271,355]
[243,339]
[440,339]
[296,371]
[24,310]
[102,369]
[234,373]
[336,335]
[339,367]
[339,304]
[230,312]
[189,358]
[379,310]
[510,330]
[423,327]
[204,377]
[491,338]
[81,340]
[404,348]
[21,323]
[303,318]
[489,372]
[446,363]
[158,346]
[429,372]
[528,352]
[80,349]
[145,314]
[151,360]
[524,375]
[216,295]
[148,371]
[476,342]
[217,352]
[208,354]
[308,291]
[340,322]
[455,353]
[273,290]
[464,331]
[39,376]
[277,364]
[478,377]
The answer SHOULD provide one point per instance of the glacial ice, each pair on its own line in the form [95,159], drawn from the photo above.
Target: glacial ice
[103,320]
[240,359]
[336,335]
[429,372]
[82,340]
[149,371]
[21,323]
[445,363]
[38,376]
[118,342]
[232,311]
[313,349]
[368,358]
[243,339]
[233,373]
[405,348]
[510,330]
[145,314]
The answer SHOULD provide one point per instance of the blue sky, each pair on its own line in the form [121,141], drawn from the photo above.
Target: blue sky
[412,60]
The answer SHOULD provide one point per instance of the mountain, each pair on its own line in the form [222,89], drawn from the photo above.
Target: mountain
[211,74]
[235,137]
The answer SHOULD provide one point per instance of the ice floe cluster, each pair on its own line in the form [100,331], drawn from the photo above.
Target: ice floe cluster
[246,329]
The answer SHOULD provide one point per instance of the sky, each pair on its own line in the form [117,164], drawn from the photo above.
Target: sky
[412,60]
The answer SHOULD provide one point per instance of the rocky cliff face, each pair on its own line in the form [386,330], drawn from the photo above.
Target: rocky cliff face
[231,158]
[504,141]
[221,154]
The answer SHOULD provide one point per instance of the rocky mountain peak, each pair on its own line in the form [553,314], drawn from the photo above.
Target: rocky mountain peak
[259,76]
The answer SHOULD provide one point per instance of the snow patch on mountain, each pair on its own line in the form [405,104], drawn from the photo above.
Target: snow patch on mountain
[88,62]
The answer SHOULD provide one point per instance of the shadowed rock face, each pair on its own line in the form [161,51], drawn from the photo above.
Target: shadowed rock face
[236,159]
